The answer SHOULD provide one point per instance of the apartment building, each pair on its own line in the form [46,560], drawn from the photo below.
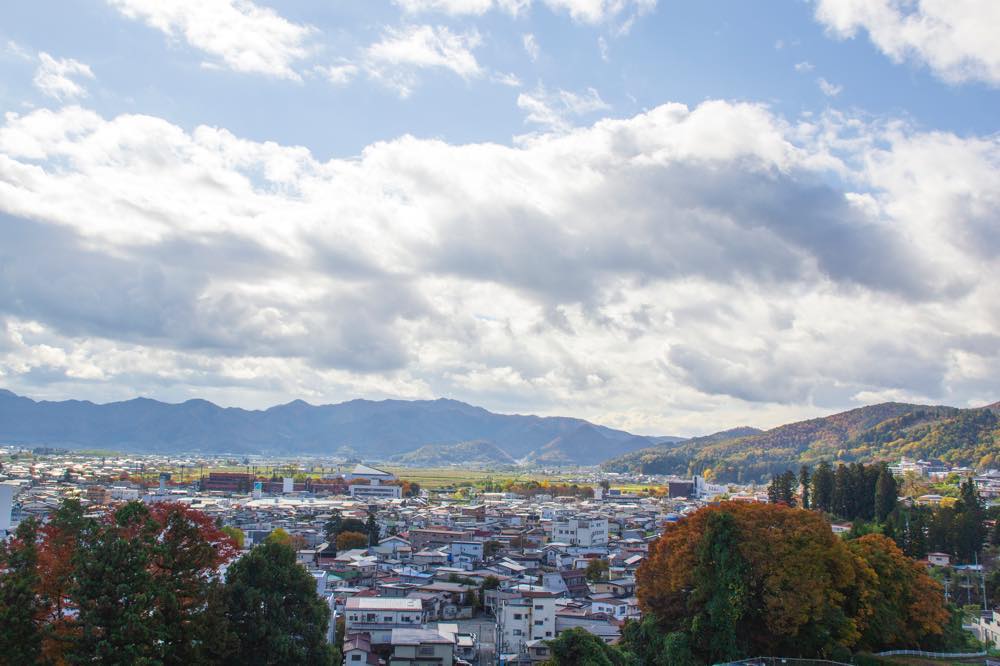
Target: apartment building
[378,616]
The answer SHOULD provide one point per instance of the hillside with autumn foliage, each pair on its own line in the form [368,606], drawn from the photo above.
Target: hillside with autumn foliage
[886,431]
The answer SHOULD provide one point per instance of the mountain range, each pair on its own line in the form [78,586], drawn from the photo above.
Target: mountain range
[411,432]
[886,431]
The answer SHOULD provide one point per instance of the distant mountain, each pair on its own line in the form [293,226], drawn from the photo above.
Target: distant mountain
[435,455]
[878,432]
[374,430]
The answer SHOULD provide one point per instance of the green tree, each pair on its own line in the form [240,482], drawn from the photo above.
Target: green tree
[236,534]
[372,529]
[20,607]
[597,569]
[274,612]
[333,526]
[114,591]
[579,647]
[885,494]
[822,488]
[719,603]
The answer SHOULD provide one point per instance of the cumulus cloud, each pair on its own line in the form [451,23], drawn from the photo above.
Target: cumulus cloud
[736,265]
[55,77]
[531,46]
[955,39]
[402,51]
[238,34]
[463,7]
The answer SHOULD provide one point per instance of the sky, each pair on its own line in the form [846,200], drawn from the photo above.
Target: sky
[666,217]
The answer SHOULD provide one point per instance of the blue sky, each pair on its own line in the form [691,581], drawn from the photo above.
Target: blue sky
[663,216]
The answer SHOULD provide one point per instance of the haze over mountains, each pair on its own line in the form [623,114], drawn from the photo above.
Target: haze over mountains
[417,432]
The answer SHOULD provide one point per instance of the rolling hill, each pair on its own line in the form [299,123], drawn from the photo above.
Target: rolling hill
[439,455]
[884,431]
[378,430]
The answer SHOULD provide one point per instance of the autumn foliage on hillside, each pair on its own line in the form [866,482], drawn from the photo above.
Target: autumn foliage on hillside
[737,580]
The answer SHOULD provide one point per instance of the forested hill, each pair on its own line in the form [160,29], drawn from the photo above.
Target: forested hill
[878,432]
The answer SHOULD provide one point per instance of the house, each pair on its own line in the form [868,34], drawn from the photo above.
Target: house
[421,647]
[526,618]
[378,616]
[358,650]
[584,532]
[939,559]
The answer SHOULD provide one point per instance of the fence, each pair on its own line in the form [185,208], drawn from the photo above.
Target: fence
[792,661]
[931,655]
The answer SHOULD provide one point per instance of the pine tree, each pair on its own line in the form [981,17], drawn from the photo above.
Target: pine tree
[885,494]
[20,607]
[822,481]
[114,590]
[372,529]
[721,594]
[274,613]
[840,499]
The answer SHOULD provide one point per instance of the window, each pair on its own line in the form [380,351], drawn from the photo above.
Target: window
[538,623]
[388,618]
[539,607]
[427,650]
[517,632]
[548,633]
[517,616]
[355,657]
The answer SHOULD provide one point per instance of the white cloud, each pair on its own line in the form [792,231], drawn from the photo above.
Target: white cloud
[955,38]
[241,35]
[55,77]
[585,11]
[463,7]
[829,89]
[672,271]
[531,46]
[602,45]
[338,75]
[553,110]
[415,47]
[804,66]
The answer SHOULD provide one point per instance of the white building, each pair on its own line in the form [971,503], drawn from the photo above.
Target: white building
[371,474]
[378,616]
[524,619]
[376,491]
[584,532]
[421,647]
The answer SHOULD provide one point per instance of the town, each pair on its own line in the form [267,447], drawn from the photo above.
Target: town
[460,575]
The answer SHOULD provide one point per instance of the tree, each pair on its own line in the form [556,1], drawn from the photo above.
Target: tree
[579,647]
[333,526]
[782,489]
[597,569]
[907,606]
[114,591]
[804,483]
[372,529]
[59,539]
[743,579]
[823,482]
[351,540]
[842,503]
[721,600]
[188,549]
[885,494]
[279,535]
[236,534]
[20,607]
[491,548]
[273,610]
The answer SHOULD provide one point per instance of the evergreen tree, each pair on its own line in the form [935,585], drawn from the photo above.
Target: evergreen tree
[274,613]
[840,501]
[804,483]
[372,529]
[20,608]
[114,591]
[822,494]
[970,529]
[885,494]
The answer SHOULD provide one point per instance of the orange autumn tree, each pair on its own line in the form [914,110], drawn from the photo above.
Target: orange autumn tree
[737,580]
[906,603]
